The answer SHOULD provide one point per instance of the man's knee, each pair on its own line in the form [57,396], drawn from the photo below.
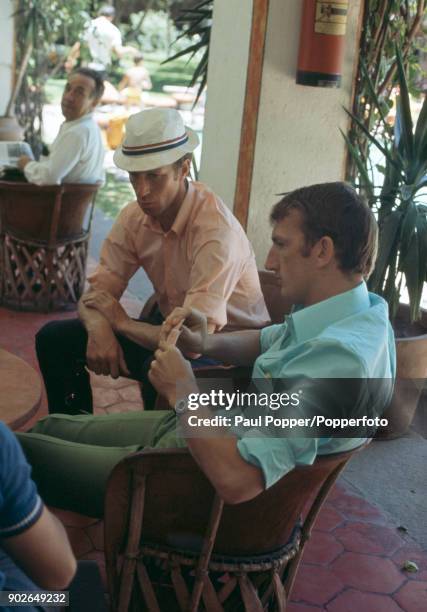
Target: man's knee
[46,335]
[58,334]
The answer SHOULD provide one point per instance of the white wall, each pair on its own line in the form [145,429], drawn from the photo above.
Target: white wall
[6,52]
[298,140]
[228,60]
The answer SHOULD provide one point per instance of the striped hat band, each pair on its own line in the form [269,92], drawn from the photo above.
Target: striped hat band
[157,147]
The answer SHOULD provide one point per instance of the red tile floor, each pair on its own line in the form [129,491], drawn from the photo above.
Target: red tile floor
[355,558]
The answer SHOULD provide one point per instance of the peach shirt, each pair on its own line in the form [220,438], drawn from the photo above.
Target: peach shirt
[204,261]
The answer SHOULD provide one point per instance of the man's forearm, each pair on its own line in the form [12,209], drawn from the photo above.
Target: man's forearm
[143,334]
[99,308]
[239,348]
[91,318]
[44,553]
[234,479]
[74,52]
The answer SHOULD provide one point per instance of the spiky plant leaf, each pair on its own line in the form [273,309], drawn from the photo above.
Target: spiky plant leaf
[420,137]
[197,21]
[364,176]
[388,233]
[403,125]
[387,154]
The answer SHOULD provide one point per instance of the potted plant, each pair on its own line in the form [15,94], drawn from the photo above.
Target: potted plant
[402,251]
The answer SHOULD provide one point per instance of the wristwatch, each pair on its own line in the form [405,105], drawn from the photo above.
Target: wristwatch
[181,406]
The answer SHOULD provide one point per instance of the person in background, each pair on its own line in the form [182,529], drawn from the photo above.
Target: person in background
[35,552]
[77,153]
[135,81]
[103,39]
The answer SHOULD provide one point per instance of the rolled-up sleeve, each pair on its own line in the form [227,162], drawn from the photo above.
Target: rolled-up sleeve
[51,171]
[216,269]
[277,456]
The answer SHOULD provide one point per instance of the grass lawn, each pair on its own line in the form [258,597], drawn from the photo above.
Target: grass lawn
[178,72]
[113,196]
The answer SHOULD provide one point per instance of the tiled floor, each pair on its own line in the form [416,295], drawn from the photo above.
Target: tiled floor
[355,558]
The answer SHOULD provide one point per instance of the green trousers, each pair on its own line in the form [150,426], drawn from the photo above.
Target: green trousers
[72,456]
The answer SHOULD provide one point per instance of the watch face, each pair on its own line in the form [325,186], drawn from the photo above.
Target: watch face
[181,406]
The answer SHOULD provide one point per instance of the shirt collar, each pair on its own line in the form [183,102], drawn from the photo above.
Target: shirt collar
[311,321]
[184,211]
[180,220]
[88,116]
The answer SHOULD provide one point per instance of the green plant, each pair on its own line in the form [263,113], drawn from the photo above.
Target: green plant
[197,23]
[385,23]
[402,218]
[153,31]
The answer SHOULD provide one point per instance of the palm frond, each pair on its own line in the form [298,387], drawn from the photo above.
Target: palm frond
[198,23]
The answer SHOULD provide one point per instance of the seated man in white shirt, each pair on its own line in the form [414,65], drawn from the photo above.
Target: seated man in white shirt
[77,153]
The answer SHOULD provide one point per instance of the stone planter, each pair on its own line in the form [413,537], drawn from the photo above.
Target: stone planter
[411,353]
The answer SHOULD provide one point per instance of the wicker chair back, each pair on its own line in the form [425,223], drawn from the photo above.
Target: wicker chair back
[169,538]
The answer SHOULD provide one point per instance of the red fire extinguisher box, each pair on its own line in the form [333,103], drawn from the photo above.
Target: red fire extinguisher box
[321,47]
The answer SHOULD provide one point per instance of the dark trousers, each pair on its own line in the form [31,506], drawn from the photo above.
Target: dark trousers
[61,351]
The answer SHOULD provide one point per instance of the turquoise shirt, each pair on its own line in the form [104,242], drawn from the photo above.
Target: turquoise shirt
[346,336]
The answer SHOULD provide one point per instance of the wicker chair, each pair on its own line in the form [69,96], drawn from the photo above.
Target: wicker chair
[172,545]
[44,244]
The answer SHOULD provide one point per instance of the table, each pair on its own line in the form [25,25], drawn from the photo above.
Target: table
[20,390]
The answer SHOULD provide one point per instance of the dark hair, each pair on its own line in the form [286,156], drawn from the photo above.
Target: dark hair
[96,77]
[138,58]
[337,211]
[107,11]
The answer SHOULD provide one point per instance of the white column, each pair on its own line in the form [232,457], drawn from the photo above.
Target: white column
[6,51]
[298,138]
[228,61]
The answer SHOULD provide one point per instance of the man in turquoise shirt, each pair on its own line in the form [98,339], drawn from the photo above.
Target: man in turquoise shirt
[345,336]
[324,246]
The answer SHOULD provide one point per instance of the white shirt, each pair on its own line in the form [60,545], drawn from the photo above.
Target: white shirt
[102,37]
[76,156]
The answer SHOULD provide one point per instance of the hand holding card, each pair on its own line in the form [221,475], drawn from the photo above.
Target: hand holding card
[174,332]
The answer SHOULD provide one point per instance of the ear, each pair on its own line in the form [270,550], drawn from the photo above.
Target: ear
[185,168]
[324,251]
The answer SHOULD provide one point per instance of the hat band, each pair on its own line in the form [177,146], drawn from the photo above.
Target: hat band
[155,148]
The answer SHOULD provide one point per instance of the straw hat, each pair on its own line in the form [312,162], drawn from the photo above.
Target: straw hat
[154,137]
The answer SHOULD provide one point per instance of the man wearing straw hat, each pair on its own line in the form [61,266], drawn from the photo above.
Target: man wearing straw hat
[192,248]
